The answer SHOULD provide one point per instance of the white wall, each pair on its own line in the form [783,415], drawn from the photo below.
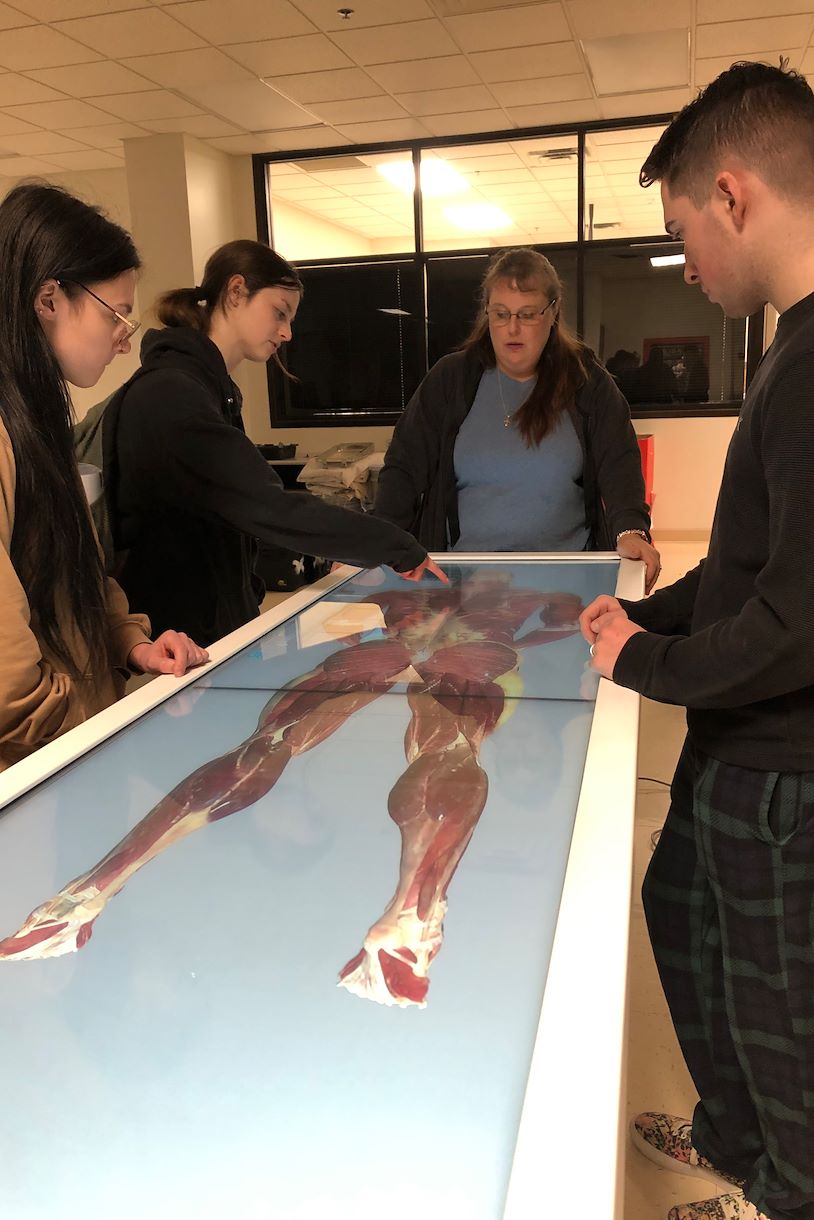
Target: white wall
[688,462]
[210,200]
[297,234]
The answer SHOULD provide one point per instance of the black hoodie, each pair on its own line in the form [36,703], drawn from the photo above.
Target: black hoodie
[189,493]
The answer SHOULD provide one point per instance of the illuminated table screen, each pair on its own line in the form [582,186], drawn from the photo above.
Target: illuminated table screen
[197,1057]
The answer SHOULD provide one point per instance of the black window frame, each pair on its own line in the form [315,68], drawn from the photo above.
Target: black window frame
[420,258]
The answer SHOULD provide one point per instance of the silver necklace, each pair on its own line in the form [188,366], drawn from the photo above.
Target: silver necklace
[507,418]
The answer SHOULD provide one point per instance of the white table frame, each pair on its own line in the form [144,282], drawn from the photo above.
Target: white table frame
[569,1155]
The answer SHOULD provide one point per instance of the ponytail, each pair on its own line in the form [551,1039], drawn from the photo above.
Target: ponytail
[259,266]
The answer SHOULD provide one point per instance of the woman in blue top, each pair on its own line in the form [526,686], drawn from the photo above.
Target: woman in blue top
[521,440]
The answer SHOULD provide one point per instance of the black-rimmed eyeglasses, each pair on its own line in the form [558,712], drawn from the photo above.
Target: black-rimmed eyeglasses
[499,316]
[130,326]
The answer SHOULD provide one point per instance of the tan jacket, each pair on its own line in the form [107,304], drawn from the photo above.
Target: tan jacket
[37,702]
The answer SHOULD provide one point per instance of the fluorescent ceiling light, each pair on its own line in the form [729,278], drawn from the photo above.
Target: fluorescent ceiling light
[667,260]
[437,177]
[478,217]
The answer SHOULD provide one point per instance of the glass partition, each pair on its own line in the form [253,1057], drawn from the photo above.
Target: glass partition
[357,346]
[342,206]
[666,344]
[615,203]
[506,193]
[393,244]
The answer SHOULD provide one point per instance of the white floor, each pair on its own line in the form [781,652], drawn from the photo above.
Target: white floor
[657,1077]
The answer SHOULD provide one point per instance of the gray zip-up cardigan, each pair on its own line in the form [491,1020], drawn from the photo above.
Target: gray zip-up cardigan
[417,489]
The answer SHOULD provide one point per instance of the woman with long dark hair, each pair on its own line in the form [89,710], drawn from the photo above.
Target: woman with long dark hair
[189,494]
[66,636]
[520,441]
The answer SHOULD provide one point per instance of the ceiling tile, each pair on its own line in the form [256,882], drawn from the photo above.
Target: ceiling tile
[10,18]
[412,76]
[639,61]
[357,110]
[91,80]
[598,19]
[334,86]
[39,46]
[24,167]
[107,135]
[154,104]
[183,69]
[133,33]
[205,126]
[465,124]
[61,10]
[18,90]
[280,56]
[807,64]
[324,13]
[53,115]
[628,105]
[413,40]
[251,104]
[448,101]
[392,129]
[737,37]
[733,10]
[93,158]
[240,20]
[554,112]
[532,23]
[11,126]
[40,144]
[549,89]
[305,137]
[528,63]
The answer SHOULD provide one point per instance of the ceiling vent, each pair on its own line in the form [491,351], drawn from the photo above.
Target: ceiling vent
[555,154]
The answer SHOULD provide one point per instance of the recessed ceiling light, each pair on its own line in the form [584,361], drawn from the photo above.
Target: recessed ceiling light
[478,217]
[437,177]
[667,260]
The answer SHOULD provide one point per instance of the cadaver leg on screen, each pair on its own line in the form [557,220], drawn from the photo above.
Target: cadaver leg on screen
[436,805]
[293,722]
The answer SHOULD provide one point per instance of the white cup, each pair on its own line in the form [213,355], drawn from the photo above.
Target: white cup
[91,481]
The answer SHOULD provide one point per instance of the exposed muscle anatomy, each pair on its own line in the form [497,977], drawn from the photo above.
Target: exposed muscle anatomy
[457,649]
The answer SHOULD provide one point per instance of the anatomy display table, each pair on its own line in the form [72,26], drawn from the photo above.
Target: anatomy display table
[313,936]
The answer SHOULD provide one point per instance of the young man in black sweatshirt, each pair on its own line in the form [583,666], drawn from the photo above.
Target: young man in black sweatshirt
[729,895]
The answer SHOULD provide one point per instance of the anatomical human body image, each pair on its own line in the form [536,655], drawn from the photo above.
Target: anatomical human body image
[455,653]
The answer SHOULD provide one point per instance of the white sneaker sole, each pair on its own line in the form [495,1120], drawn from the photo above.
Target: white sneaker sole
[723,1185]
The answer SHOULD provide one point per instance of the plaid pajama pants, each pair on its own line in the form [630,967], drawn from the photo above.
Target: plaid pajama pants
[729,901]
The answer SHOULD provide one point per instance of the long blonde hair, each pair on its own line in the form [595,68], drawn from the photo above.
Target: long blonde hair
[562,368]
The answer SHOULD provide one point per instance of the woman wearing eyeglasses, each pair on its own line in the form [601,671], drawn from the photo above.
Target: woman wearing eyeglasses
[520,441]
[67,638]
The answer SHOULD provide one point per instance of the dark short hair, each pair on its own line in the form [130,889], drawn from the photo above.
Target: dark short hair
[763,115]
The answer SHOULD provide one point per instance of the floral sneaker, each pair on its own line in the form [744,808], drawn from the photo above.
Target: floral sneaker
[667,1142]
[724,1207]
